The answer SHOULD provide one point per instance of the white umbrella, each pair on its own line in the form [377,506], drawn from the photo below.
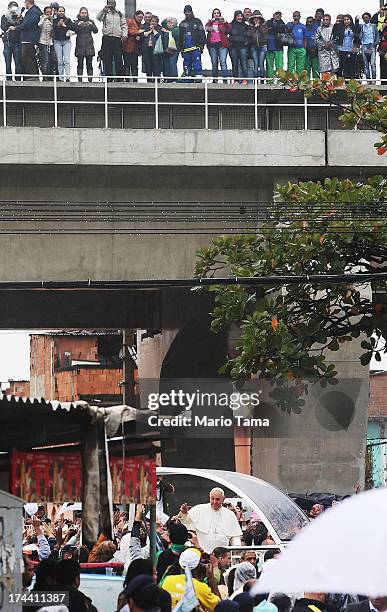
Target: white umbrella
[343,550]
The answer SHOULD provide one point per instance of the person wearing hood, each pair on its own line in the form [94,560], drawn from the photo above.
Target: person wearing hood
[217,43]
[192,40]
[114,35]
[243,572]
[84,46]
[170,35]
[11,40]
[131,46]
[257,35]
[275,49]
[30,35]
[239,46]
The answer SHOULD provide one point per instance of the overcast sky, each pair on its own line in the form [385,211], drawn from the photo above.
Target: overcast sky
[202,8]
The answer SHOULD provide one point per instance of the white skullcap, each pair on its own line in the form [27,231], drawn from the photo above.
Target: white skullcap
[190,558]
[219,490]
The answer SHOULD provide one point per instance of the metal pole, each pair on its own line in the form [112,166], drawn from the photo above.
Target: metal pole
[156,104]
[305,113]
[4,103]
[106,103]
[206,102]
[55,102]
[256,103]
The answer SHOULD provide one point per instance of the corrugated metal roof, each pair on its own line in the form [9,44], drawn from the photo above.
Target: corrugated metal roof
[30,422]
[55,405]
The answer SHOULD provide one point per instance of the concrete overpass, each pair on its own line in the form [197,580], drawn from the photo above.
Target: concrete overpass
[81,200]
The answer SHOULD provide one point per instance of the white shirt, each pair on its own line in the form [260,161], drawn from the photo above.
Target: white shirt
[214,527]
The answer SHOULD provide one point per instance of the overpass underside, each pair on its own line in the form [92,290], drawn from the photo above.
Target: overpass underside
[130,202]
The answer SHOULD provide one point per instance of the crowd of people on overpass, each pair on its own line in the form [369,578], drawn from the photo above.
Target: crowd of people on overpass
[40,41]
[197,537]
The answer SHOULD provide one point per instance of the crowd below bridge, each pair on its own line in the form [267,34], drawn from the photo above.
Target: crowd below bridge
[194,545]
[40,41]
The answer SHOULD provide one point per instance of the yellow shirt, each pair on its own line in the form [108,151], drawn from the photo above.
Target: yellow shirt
[175,585]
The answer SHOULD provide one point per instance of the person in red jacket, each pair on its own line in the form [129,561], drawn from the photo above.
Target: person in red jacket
[217,42]
[131,49]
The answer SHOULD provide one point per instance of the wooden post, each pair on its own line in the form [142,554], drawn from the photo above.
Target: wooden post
[152,534]
[128,366]
[90,485]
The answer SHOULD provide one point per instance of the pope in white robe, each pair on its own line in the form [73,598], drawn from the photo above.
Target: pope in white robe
[214,525]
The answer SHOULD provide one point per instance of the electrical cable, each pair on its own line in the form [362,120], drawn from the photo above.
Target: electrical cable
[189,283]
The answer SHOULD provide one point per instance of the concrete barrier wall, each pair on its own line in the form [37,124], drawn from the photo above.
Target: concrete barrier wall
[189,148]
[197,148]
[349,148]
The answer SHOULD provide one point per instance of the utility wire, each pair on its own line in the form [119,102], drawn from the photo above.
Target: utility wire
[188,283]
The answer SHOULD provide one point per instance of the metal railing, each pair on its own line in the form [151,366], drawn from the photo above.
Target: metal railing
[254,86]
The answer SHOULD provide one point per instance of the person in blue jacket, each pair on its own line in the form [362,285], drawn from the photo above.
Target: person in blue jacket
[192,40]
[30,35]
